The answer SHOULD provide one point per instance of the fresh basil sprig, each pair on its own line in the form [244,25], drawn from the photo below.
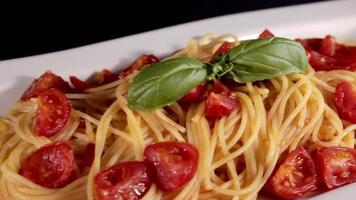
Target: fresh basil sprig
[167,81]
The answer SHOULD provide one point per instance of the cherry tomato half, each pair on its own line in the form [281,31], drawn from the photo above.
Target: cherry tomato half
[140,62]
[125,181]
[46,81]
[195,95]
[173,164]
[326,54]
[52,114]
[266,34]
[220,105]
[345,101]
[106,76]
[294,177]
[50,166]
[337,165]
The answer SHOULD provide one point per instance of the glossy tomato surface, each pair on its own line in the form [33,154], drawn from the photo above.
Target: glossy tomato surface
[124,181]
[266,34]
[105,76]
[337,165]
[345,101]
[223,49]
[195,95]
[50,166]
[326,54]
[173,164]
[294,177]
[52,114]
[220,102]
[46,81]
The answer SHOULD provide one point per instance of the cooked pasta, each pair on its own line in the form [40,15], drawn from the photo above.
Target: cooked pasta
[237,153]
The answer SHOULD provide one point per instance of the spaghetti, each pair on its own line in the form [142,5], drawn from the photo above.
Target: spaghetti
[237,153]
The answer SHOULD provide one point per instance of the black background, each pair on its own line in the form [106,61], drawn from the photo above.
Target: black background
[29,31]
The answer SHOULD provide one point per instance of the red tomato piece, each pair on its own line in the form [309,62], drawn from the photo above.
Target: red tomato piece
[266,34]
[125,181]
[328,46]
[79,84]
[325,54]
[337,165]
[52,114]
[223,49]
[220,105]
[46,81]
[195,95]
[106,76]
[294,177]
[173,164]
[50,166]
[103,77]
[345,101]
[221,88]
[140,62]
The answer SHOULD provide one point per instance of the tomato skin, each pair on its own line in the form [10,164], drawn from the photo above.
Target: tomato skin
[50,166]
[266,34]
[345,101]
[337,165]
[125,181]
[52,114]
[173,164]
[220,102]
[219,87]
[105,76]
[328,46]
[195,95]
[220,105]
[46,81]
[294,177]
[326,54]
[223,49]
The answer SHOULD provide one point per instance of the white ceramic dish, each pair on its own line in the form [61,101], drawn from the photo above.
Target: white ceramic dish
[334,17]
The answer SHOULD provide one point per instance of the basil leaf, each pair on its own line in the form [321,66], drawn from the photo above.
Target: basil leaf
[165,82]
[262,59]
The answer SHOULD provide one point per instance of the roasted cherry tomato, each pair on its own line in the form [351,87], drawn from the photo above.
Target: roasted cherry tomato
[337,165]
[195,95]
[294,177]
[46,81]
[223,49]
[266,34]
[345,101]
[140,62]
[173,164]
[325,54]
[221,88]
[50,166]
[124,181]
[103,77]
[106,76]
[219,105]
[220,102]
[52,114]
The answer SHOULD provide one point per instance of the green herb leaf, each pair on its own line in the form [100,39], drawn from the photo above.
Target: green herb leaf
[165,82]
[262,59]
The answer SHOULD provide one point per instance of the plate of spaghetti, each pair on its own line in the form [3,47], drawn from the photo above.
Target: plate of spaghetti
[223,117]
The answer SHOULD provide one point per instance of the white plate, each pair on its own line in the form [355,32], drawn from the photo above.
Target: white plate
[334,17]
